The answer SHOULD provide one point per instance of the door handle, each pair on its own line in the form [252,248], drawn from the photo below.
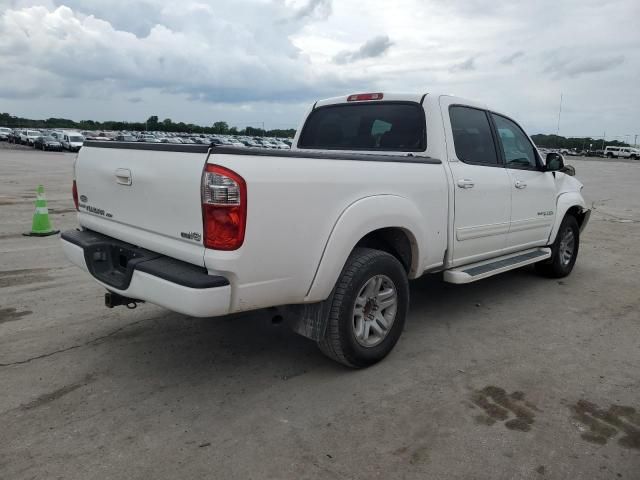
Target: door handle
[520,184]
[465,183]
[123,176]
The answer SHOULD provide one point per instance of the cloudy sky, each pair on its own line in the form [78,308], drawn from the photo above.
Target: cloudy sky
[254,61]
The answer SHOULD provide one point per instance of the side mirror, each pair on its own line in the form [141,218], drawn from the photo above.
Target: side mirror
[555,162]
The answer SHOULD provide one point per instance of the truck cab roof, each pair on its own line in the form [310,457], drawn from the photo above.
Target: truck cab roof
[392,97]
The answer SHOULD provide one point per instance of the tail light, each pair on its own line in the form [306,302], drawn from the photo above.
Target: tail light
[74,191]
[224,208]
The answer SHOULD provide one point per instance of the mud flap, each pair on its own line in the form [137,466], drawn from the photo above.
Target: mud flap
[308,319]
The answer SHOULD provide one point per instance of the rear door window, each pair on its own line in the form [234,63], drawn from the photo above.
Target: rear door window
[387,126]
[472,136]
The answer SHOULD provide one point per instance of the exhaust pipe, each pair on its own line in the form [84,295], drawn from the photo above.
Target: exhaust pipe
[112,299]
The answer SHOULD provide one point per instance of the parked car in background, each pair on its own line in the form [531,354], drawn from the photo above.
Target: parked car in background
[4,133]
[98,136]
[622,152]
[281,145]
[174,140]
[148,139]
[27,137]
[14,136]
[265,143]
[57,134]
[251,143]
[125,138]
[611,152]
[72,141]
[634,153]
[47,142]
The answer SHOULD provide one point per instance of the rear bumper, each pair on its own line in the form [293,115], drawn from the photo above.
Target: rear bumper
[143,275]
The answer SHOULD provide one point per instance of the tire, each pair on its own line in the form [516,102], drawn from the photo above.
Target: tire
[561,262]
[366,279]
[609,155]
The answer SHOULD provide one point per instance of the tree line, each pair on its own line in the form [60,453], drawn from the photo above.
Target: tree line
[167,125]
[579,143]
[152,124]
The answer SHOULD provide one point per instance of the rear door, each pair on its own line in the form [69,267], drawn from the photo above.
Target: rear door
[147,197]
[533,191]
[482,190]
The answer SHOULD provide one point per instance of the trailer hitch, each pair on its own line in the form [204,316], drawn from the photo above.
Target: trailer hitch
[112,299]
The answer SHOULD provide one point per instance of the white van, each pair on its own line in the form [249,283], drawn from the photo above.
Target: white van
[72,141]
[622,152]
[4,133]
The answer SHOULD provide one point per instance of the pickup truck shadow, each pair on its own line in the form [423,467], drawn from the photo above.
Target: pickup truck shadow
[205,348]
[433,300]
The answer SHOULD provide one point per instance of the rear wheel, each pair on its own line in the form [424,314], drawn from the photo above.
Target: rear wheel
[564,250]
[368,309]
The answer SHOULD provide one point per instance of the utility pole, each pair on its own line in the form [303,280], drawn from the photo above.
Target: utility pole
[603,137]
[559,114]
[635,141]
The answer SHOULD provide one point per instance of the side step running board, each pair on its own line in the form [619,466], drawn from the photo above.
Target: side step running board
[487,268]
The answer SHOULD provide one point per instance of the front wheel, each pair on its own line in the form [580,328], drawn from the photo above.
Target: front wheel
[368,309]
[564,250]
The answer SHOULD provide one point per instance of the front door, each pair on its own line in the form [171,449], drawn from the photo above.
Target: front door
[533,191]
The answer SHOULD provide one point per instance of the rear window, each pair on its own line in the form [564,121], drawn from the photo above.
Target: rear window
[372,126]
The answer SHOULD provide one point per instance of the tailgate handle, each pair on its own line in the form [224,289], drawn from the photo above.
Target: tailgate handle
[123,176]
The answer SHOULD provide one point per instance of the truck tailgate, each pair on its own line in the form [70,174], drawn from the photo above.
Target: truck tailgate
[144,197]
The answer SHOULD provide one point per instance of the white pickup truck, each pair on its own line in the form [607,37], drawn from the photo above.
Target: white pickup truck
[377,189]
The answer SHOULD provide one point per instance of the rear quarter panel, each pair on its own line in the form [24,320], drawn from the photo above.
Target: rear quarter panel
[294,206]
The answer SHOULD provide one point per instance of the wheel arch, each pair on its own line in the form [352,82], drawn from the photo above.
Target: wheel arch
[570,203]
[395,241]
[387,222]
